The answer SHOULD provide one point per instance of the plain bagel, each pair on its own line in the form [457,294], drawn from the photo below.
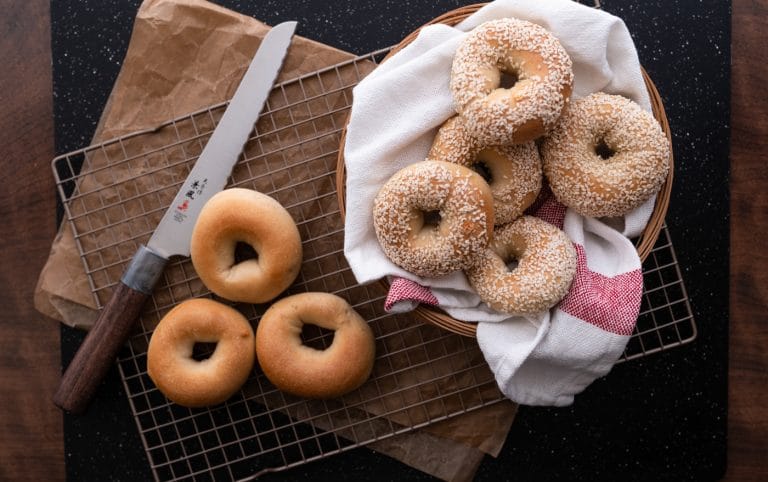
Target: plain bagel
[198,383]
[247,216]
[305,371]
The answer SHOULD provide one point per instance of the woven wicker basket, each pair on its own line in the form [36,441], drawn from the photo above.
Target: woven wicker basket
[645,241]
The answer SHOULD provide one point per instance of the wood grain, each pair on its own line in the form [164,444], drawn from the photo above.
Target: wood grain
[31,441]
[748,360]
[98,352]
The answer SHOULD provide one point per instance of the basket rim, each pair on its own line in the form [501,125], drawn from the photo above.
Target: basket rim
[645,241]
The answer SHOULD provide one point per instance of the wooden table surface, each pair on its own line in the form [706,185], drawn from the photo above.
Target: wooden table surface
[31,438]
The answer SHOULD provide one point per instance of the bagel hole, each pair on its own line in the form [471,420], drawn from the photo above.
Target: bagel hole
[432,219]
[604,150]
[203,351]
[511,253]
[316,337]
[512,264]
[482,168]
[244,252]
[508,78]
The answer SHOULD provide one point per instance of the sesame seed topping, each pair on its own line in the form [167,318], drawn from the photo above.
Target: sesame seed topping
[527,109]
[464,202]
[546,265]
[515,170]
[606,156]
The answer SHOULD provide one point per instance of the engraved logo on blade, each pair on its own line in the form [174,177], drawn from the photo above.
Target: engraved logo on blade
[195,189]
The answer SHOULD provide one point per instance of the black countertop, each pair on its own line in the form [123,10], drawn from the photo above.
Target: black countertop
[659,417]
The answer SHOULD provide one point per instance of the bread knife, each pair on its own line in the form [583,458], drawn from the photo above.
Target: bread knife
[172,236]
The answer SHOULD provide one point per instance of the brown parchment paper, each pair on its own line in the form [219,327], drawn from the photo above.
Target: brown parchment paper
[185,55]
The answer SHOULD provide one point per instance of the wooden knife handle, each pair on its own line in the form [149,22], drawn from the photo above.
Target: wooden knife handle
[111,330]
[99,349]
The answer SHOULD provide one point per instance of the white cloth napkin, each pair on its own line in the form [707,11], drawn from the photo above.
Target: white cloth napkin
[395,115]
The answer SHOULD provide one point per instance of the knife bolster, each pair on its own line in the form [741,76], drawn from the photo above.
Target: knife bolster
[144,270]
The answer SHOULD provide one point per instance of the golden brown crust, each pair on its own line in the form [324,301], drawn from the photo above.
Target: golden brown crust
[242,215]
[546,267]
[637,154]
[304,371]
[193,383]
[515,170]
[465,204]
[496,115]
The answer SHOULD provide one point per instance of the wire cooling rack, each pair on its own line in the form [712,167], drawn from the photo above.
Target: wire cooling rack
[115,194]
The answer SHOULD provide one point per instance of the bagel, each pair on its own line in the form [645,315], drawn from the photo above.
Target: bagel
[187,381]
[242,215]
[538,66]
[307,372]
[458,196]
[606,157]
[546,265]
[513,172]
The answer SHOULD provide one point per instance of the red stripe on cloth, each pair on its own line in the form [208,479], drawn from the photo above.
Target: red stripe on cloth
[548,208]
[610,303]
[402,289]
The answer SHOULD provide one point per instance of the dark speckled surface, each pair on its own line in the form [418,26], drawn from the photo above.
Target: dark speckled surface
[662,417]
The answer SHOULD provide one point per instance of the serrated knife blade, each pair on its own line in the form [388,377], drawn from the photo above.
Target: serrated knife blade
[172,236]
[213,167]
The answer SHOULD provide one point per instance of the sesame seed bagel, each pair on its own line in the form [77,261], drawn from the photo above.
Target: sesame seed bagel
[513,172]
[458,195]
[606,156]
[533,57]
[187,381]
[305,371]
[247,216]
[546,267]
